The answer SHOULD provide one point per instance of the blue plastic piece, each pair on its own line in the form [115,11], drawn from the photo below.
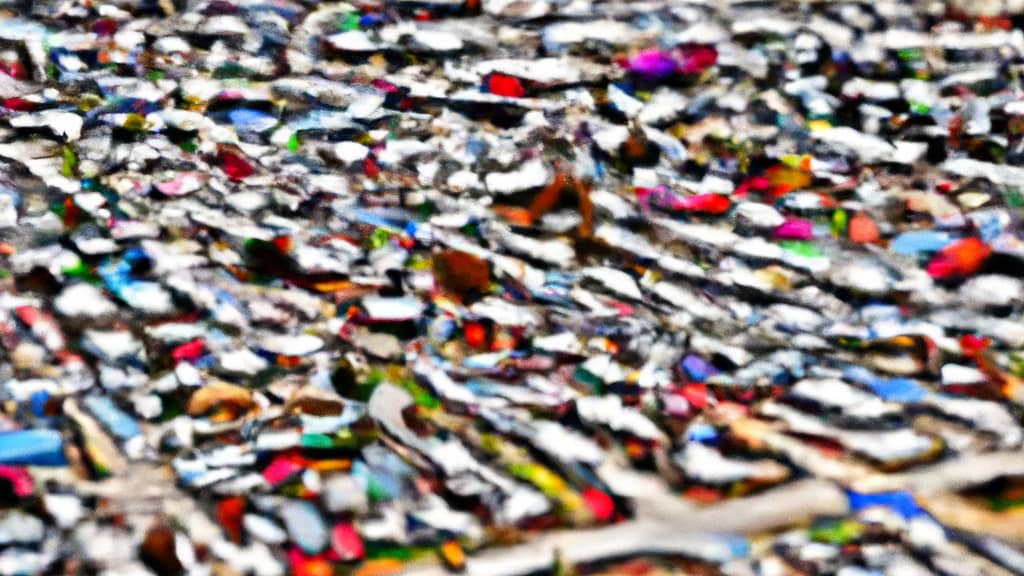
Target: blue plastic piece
[901,502]
[33,448]
[697,368]
[250,120]
[920,242]
[37,401]
[701,433]
[117,421]
[898,389]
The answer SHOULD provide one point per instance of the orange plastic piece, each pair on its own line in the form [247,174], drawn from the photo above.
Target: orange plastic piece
[961,258]
[382,567]
[515,215]
[863,229]
[702,494]
[785,178]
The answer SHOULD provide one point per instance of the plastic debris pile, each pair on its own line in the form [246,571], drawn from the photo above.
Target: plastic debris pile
[398,286]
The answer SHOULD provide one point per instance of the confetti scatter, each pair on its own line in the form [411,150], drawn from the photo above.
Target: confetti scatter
[511,287]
